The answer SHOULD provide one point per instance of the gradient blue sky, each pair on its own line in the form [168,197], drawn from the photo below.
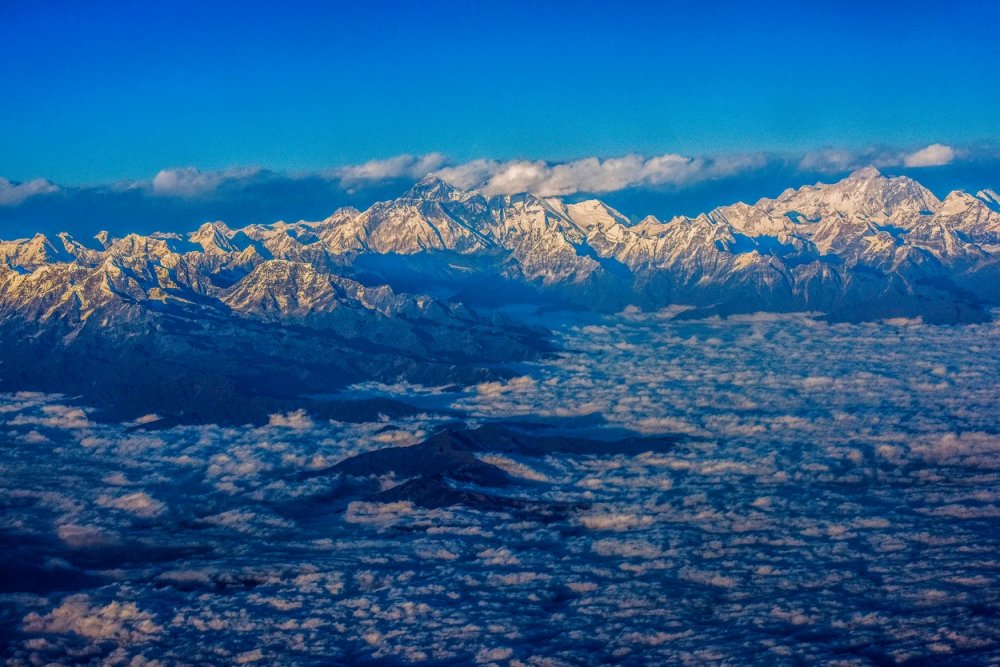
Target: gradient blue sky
[99,91]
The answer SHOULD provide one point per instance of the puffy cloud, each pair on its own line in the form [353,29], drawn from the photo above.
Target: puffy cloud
[297,420]
[193,182]
[35,438]
[832,160]
[249,656]
[934,155]
[489,655]
[76,535]
[123,623]
[468,175]
[664,425]
[520,384]
[83,536]
[139,503]
[626,548]
[56,416]
[247,522]
[12,194]
[515,468]
[707,578]
[615,521]
[378,514]
[971,449]
[593,174]
[176,199]
[146,419]
[401,166]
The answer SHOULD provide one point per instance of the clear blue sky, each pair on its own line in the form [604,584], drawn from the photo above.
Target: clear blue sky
[97,91]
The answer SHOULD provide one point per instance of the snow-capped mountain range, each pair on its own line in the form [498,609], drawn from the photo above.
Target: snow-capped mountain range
[868,242]
[408,285]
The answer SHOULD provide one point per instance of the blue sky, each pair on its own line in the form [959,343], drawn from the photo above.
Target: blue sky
[112,92]
[105,90]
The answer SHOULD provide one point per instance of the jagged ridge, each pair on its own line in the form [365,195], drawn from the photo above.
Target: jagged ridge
[382,292]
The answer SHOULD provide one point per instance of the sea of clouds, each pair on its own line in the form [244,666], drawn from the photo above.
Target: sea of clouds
[833,497]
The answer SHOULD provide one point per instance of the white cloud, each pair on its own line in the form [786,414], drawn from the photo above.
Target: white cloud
[123,623]
[515,468]
[615,521]
[76,535]
[707,578]
[297,420]
[626,548]
[249,656]
[971,449]
[592,174]
[138,503]
[934,155]
[489,655]
[498,556]
[411,166]
[146,419]
[833,160]
[192,182]
[495,177]
[378,514]
[12,194]
[516,385]
[56,416]
[468,175]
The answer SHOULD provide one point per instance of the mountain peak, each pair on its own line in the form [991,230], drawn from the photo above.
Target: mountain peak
[865,195]
[211,228]
[593,213]
[865,220]
[864,174]
[432,187]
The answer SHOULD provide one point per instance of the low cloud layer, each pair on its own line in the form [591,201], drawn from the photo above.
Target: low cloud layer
[12,194]
[833,506]
[401,166]
[596,175]
[180,198]
[593,175]
[192,182]
[833,160]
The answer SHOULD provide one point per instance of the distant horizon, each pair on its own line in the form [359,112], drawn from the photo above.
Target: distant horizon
[180,199]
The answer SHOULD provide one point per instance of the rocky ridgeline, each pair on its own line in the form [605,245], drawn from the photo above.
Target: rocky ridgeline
[406,289]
